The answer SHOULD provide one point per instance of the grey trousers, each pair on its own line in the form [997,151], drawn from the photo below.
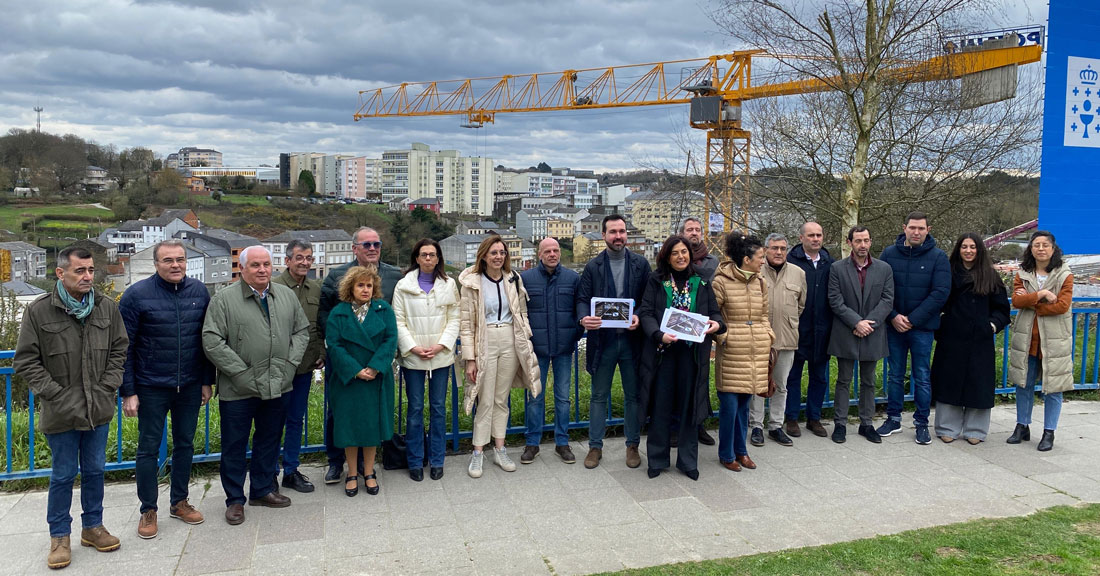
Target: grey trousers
[844,372]
[959,422]
[777,404]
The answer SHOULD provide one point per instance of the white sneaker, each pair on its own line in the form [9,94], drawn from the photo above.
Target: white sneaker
[500,457]
[475,464]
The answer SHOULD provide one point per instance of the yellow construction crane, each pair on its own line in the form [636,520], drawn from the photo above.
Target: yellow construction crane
[715,87]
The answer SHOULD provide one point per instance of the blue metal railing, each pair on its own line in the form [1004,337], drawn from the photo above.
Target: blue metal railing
[1086,322]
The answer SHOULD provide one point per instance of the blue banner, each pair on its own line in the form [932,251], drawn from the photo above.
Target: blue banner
[1069,193]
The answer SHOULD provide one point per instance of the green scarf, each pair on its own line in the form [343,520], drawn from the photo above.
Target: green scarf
[79,309]
[674,297]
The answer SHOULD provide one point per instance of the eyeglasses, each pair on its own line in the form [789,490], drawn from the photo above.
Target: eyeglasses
[300,258]
[428,255]
[371,245]
[778,248]
[170,261]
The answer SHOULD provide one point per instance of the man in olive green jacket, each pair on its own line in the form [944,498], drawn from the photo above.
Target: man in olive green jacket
[299,260]
[256,334]
[71,351]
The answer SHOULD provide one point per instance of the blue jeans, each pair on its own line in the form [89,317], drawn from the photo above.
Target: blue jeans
[296,402]
[733,425]
[914,345]
[1025,399]
[89,449]
[816,389]
[154,404]
[414,418]
[536,407]
[618,353]
[237,418]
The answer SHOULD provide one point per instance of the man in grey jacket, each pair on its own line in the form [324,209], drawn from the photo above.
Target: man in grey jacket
[861,294]
[71,349]
[256,334]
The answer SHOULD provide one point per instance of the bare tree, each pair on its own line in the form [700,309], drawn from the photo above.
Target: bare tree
[873,145]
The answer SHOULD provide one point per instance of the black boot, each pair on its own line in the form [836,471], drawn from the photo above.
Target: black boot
[1020,434]
[1047,441]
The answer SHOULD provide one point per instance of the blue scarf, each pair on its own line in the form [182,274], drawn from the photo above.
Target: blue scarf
[79,309]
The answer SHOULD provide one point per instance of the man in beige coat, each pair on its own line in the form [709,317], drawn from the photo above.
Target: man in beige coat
[787,294]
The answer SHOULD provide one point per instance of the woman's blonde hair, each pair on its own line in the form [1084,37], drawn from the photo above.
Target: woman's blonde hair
[355,275]
[483,253]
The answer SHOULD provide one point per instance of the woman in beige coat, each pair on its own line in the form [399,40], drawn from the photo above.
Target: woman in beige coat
[744,350]
[1041,347]
[496,347]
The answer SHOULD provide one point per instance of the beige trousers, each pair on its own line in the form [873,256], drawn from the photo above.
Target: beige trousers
[498,371]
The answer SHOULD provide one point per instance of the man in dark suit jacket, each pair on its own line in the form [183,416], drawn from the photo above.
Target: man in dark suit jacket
[614,273]
[861,295]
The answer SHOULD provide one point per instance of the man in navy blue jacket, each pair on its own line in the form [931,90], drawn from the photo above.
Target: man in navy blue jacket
[165,371]
[814,326]
[555,331]
[922,282]
[614,273]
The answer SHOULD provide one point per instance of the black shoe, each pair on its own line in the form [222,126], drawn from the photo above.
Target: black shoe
[1020,434]
[756,437]
[298,482]
[781,437]
[653,472]
[417,474]
[351,491]
[693,474]
[869,432]
[335,472]
[705,438]
[372,490]
[840,433]
[1047,441]
[436,472]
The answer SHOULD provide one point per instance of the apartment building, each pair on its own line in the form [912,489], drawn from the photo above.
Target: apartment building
[461,184]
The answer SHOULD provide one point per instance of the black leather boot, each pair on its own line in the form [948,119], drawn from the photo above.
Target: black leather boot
[1047,441]
[1020,434]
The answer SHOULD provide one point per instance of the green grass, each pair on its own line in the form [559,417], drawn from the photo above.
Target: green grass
[12,216]
[1063,540]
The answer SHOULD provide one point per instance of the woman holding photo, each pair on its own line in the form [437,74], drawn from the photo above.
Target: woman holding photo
[675,379]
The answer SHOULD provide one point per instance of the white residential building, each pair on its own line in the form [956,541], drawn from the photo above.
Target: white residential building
[461,184]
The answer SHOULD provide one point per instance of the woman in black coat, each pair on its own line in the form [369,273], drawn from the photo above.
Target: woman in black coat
[674,374]
[964,368]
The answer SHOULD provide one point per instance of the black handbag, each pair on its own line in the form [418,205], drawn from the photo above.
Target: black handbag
[395,453]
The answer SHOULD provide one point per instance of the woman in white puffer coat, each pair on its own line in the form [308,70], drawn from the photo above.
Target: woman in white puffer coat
[426,305]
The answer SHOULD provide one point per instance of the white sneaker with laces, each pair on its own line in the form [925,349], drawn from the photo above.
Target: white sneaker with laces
[500,457]
[475,464]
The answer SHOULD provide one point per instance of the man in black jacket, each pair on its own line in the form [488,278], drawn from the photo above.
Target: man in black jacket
[165,371]
[814,325]
[614,273]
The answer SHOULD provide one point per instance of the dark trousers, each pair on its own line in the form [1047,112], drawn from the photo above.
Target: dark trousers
[83,451]
[335,453]
[816,388]
[154,404]
[296,403]
[237,420]
[673,395]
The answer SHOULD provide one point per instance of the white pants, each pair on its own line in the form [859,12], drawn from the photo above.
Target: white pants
[498,371]
[777,404]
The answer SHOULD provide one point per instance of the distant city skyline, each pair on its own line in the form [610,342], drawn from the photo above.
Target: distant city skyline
[254,79]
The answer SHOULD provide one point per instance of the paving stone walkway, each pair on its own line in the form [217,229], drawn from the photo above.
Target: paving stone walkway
[553,518]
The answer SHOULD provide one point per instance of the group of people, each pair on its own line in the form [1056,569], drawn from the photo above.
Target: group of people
[766,311]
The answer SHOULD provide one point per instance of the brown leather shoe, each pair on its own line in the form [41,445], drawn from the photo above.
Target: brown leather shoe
[271,500]
[100,539]
[746,462]
[633,459]
[529,453]
[816,427]
[234,514]
[147,524]
[593,458]
[791,428]
[732,466]
[60,553]
[186,512]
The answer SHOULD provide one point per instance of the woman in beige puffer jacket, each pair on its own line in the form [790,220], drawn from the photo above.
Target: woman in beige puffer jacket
[744,351]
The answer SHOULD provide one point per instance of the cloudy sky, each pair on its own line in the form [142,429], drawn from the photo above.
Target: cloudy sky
[255,78]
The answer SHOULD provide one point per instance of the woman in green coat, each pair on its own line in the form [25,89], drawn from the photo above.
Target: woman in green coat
[361,336]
